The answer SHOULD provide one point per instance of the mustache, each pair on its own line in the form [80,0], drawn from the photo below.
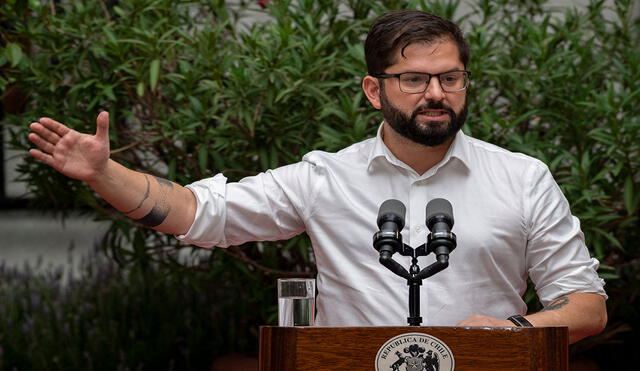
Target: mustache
[434,105]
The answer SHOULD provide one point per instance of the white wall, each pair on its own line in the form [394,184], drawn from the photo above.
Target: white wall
[29,237]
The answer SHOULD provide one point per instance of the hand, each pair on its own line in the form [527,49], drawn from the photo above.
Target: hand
[76,155]
[485,321]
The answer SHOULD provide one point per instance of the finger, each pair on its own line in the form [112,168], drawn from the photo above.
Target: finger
[54,126]
[102,126]
[470,321]
[44,132]
[43,144]
[41,156]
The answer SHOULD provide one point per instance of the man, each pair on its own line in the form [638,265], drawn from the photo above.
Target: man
[512,221]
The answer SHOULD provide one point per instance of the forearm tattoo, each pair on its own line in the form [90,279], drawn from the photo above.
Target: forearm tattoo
[146,195]
[161,208]
[556,304]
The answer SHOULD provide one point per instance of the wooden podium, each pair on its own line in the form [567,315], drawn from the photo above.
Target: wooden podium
[359,348]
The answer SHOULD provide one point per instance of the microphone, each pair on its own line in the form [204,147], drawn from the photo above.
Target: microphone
[391,211]
[441,241]
[388,239]
[390,221]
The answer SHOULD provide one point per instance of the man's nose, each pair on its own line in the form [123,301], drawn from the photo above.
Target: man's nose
[434,90]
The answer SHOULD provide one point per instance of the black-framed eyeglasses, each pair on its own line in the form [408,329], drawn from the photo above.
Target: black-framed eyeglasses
[417,82]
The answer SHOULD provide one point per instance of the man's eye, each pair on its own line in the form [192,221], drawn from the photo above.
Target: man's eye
[414,79]
[450,80]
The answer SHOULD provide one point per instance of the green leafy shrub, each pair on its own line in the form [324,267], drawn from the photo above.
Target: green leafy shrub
[111,318]
[195,89]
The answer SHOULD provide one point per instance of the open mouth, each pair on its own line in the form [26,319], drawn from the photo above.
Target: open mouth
[433,114]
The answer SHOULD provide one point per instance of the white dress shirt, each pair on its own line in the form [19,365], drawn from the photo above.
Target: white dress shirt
[511,222]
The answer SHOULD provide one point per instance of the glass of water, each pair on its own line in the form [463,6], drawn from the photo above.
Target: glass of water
[296,301]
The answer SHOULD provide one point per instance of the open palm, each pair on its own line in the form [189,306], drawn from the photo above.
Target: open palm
[76,155]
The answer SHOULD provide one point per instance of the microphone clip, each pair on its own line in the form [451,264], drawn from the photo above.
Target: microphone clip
[439,239]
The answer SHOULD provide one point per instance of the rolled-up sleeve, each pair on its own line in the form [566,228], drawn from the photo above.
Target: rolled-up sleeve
[267,207]
[557,257]
[208,226]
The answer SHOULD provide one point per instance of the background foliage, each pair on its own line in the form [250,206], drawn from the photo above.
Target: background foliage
[194,89]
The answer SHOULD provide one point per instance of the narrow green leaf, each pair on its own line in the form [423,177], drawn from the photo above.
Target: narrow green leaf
[585,162]
[628,197]
[609,276]
[140,89]
[13,52]
[609,237]
[119,11]
[154,73]
[203,158]
[108,91]
[112,38]
[171,173]
[304,251]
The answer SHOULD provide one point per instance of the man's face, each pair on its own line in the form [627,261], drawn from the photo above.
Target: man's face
[434,116]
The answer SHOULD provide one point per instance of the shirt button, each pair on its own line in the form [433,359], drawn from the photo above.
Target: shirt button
[418,228]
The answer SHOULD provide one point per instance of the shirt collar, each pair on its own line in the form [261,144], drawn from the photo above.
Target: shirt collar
[459,150]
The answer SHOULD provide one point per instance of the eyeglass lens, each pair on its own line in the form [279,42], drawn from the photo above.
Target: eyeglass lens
[417,82]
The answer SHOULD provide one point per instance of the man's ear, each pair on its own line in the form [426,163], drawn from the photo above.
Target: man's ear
[371,88]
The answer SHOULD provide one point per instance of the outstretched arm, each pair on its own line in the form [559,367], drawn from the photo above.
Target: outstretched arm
[154,202]
[585,314]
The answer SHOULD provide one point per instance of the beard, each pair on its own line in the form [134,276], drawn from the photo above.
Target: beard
[431,133]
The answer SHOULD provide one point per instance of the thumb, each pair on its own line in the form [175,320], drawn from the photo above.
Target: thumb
[102,126]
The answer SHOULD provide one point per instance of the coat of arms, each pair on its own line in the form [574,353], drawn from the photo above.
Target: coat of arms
[414,352]
[416,360]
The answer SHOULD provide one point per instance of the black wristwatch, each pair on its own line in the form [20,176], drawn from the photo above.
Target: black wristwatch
[520,321]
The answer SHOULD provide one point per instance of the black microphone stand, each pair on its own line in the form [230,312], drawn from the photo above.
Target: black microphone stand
[441,244]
